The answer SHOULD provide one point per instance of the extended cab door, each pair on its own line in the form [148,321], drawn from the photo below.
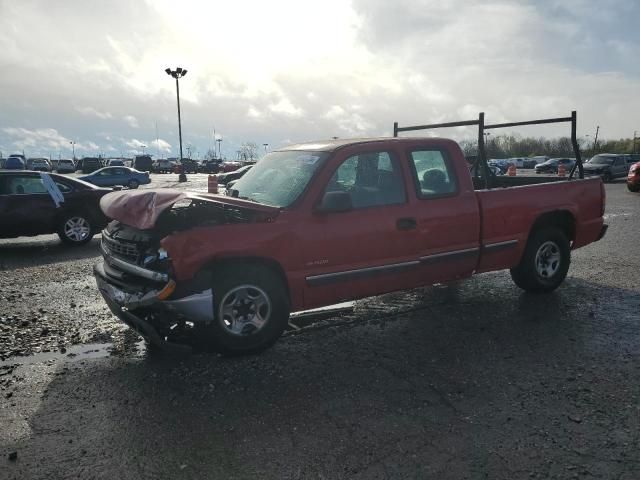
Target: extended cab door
[446,210]
[371,248]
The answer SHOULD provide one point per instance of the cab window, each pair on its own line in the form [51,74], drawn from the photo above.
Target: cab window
[433,173]
[372,179]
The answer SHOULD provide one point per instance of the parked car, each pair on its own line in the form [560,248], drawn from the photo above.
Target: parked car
[88,164]
[115,162]
[210,166]
[224,178]
[362,216]
[38,165]
[230,166]
[27,207]
[14,163]
[113,176]
[551,165]
[187,165]
[143,163]
[633,178]
[65,166]
[162,166]
[608,166]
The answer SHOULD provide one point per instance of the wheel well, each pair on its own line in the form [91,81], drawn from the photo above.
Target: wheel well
[242,262]
[562,219]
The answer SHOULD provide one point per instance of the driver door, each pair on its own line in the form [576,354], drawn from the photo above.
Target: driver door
[369,249]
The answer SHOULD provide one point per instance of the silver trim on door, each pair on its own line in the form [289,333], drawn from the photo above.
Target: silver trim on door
[500,245]
[344,275]
[452,253]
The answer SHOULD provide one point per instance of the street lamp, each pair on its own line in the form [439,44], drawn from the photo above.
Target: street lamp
[219,140]
[265,145]
[143,147]
[178,73]
[73,148]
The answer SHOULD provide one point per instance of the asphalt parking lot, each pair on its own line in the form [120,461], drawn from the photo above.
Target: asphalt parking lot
[471,380]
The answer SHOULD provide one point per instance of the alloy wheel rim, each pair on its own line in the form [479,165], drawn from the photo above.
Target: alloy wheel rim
[77,229]
[245,310]
[548,259]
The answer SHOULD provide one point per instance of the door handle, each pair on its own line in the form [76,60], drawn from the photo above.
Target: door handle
[406,223]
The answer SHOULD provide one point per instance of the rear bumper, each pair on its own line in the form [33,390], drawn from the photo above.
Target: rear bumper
[144,311]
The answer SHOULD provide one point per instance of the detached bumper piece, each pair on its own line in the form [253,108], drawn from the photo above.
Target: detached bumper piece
[140,308]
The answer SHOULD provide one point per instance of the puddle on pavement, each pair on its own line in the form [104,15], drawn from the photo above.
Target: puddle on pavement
[79,352]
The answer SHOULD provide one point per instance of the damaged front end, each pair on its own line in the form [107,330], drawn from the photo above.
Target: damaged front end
[135,276]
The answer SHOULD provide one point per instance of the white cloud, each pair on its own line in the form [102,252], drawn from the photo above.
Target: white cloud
[90,111]
[285,107]
[131,121]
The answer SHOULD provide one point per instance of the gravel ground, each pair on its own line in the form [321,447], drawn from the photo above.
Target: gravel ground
[472,380]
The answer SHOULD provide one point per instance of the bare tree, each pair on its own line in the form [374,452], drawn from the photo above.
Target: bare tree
[248,152]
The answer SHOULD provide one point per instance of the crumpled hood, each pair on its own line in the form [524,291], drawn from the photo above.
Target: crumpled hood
[141,208]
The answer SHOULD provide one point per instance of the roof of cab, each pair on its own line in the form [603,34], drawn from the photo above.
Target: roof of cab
[335,144]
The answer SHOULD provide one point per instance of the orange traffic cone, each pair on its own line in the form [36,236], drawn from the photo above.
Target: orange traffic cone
[511,171]
[212,184]
[562,170]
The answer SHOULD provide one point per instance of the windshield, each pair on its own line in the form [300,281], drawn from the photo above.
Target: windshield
[600,160]
[279,178]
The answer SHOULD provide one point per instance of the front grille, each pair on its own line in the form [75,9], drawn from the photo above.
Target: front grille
[124,250]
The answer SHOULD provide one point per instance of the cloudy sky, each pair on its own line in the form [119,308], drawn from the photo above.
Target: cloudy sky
[283,71]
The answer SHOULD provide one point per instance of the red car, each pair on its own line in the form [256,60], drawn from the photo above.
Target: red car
[633,178]
[322,223]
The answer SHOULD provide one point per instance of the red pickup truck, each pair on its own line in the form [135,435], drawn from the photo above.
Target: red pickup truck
[320,223]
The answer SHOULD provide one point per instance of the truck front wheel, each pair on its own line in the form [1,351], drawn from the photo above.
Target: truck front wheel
[251,309]
[545,262]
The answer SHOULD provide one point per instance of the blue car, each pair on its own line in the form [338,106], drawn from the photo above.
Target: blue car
[112,176]
[14,163]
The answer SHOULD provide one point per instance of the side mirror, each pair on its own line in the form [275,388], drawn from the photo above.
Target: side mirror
[335,202]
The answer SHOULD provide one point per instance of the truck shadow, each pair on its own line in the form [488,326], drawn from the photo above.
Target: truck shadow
[43,250]
[478,377]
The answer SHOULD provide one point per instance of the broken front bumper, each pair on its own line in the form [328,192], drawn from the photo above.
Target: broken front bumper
[139,308]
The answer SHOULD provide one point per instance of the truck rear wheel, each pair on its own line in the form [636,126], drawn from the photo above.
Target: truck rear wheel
[545,262]
[251,309]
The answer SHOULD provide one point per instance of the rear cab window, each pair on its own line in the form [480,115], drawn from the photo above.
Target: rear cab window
[433,173]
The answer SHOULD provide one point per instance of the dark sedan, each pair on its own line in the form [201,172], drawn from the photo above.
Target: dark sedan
[33,203]
[551,165]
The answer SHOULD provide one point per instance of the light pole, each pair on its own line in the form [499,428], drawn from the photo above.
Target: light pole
[635,134]
[73,148]
[219,140]
[143,147]
[178,73]
[595,140]
[265,145]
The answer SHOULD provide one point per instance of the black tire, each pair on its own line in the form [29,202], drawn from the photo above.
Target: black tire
[260,283]
[633,188]
[606,177]
[545,262]
[75,228]
[133,184]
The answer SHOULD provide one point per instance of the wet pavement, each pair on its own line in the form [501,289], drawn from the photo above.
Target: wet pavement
[469,380]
